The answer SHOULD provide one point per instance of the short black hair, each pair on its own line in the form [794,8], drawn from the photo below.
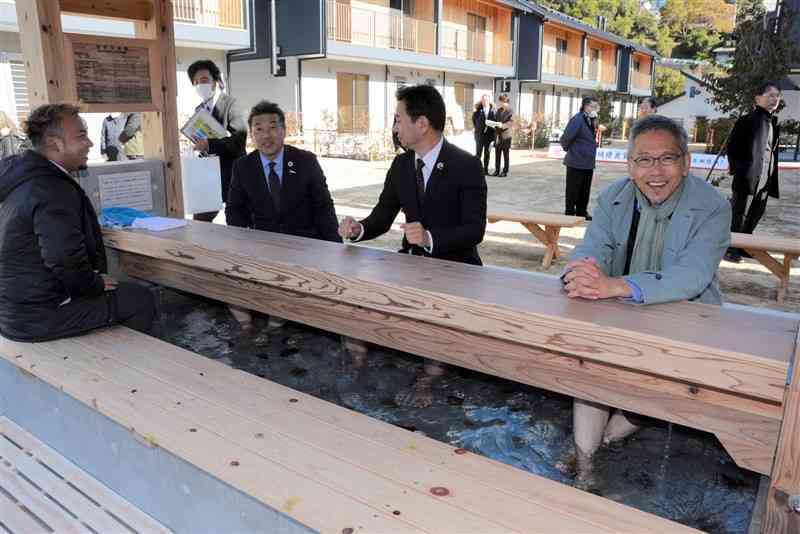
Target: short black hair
[587,100]
[650,100]
[204,64]
[46,120]
[763,87]
[266,107]
[423,101]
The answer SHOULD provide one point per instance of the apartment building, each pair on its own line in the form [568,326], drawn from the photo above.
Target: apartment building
[361,51]
[563,59]
[204,29]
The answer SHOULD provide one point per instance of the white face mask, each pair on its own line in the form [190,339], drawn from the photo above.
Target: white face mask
[205,90]
[593,114]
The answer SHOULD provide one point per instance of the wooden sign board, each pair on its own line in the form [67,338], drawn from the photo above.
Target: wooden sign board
[109,74]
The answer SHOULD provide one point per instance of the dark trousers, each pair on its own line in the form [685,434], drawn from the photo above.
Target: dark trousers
[206,216]
[498,152]
[744,218]
[482,145]
[579,186]
[131,305]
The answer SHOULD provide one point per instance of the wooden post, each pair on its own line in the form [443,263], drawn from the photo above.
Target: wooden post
[783,501]
[43,48]
[160,129]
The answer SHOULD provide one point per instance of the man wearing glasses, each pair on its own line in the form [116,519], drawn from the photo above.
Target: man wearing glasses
[656,237]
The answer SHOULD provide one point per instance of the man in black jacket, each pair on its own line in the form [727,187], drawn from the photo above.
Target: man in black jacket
[207,81]
[753,161]
[484,135]
[442,191]
[279,188]
[52,257]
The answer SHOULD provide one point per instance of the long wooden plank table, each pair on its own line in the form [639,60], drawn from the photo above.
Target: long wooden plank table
[707,367]
[761,248]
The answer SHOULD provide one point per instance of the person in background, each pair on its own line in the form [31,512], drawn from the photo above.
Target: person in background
[484,135]
[502,143]
[132,137]
[52,259]
[753,160]
[648,106]
[207,81]
[579,141]
[657,236]
[110,145]
[11,139]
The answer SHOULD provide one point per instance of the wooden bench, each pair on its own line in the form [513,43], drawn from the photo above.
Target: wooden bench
[718,369]
[761,248]
[328,468]
[546,227]
[41,487]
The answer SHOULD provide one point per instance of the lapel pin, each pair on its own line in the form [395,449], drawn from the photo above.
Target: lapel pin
[290,164]
[440,165]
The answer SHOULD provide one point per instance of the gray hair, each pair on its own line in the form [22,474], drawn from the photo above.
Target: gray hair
[659,123]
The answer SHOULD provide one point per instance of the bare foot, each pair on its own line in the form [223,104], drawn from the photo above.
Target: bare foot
[357,349]
[585,477]
[420,395]
[619,427]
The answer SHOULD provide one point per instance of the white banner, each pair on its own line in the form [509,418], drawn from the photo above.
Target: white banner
[620,155]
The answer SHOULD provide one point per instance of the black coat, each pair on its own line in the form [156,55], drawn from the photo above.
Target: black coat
[503,135]
[233,147]
[481,131]
[454,206]
[51,248]
[746,148]
[306,204]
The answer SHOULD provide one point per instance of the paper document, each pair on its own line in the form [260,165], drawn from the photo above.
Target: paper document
[203,125]
[493,124]
[158,224]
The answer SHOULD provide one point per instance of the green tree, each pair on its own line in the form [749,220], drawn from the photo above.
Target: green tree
[669,84]
[764,51]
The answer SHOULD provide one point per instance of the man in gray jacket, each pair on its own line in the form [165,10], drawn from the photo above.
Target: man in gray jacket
[657,237]
[579,140]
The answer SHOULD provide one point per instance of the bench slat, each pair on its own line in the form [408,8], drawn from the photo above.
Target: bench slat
[780,245]
[15,519]
[549,219]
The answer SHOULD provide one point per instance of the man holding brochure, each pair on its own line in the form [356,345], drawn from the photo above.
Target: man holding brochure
[207,81]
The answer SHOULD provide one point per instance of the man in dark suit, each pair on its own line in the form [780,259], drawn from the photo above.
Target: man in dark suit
[442,191]
[484,135]
[503,135]
[207,81]
[278,188]
[753,160]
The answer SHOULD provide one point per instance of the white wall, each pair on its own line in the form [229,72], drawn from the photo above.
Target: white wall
[252,82]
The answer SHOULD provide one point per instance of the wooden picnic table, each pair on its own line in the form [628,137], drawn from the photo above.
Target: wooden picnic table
[546,227]
[761,247]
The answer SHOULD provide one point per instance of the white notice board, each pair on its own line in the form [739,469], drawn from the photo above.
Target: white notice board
[128,189]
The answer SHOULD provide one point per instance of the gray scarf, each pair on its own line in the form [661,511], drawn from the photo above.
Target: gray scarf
[653,221]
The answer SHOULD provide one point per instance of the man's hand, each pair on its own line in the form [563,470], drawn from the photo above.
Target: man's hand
[110,284]
[585,279]
[349,228]
[416,234]
[200,144]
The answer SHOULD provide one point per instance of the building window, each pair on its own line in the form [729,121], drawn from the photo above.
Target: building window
[465,99]
[353,100]
[561,45]
[637,66]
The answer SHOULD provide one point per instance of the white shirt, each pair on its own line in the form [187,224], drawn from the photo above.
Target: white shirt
[430,162]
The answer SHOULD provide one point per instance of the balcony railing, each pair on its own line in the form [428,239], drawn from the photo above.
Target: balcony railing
[380,28]
[561,64]
[640,80]
[476,46]
[222,13]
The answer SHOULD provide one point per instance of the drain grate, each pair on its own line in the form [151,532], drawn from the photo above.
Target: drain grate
[43,492]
